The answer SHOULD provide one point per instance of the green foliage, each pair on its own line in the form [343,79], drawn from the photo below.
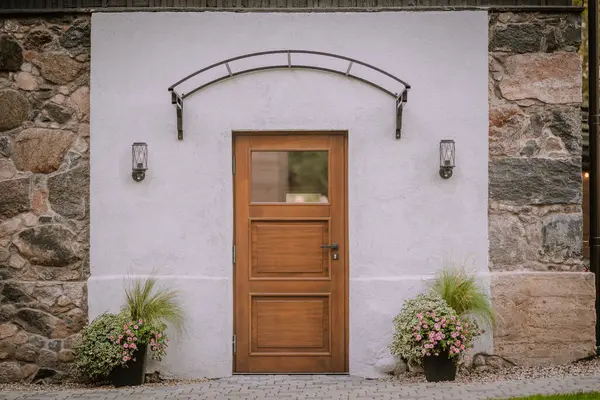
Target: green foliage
[95,355]
[153,305]
[573,396]
[462,293]
[308,171]
[403,342]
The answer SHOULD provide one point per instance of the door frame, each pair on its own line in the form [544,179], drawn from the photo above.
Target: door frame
[344,133]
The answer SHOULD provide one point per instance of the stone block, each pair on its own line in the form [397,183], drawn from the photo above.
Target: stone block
[14,198]
[57,67]
[14,109]
[562,236]
[11,54]
[551,78]
[540,312]
[47,245]
[522,181]
[517,38]
[41,150]
[69,192]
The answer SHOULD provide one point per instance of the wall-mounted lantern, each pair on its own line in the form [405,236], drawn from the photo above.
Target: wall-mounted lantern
[139,161]
[447,155]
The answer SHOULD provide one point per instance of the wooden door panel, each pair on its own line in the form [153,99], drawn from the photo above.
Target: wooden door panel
[290,294]
[290,325]
[289,249]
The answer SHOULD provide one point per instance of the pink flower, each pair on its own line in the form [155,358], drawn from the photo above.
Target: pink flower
[120,337]
[128,332]
[437,327]
[420,316]
[135,327]
[457,342]
[126,345]
[112,338]
[133,346]
[140,321]
[124,353]
[134,339]
[467,358]
[129,339]
[443,325]
[425,326]
[427,313]
[418,337]
[125,326]
[130,323]
[468,350]
[437,320]
[159,335]
[151,340]
[452,318]
[462,346]
[125,358]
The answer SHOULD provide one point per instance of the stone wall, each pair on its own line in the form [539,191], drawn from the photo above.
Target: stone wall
[535,189]
[44,190]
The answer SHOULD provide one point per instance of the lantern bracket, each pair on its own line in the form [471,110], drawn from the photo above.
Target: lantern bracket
[394,86]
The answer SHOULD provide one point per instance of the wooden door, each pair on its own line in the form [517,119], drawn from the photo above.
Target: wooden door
[290,279]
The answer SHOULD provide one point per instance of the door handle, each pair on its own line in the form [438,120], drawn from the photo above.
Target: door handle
[333,246]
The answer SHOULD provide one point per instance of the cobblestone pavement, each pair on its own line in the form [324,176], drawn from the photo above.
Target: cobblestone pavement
[324,387]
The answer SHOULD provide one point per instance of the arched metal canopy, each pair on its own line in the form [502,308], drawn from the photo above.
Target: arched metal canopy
[399,91]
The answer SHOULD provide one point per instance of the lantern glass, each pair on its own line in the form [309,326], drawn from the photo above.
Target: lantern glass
[139,156]
[447,154]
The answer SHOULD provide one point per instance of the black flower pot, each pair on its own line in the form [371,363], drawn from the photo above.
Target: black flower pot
[133,373]
[439,368]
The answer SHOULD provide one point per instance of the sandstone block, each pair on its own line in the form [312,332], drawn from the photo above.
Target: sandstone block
[13,371]
[41,150]
[26,81]
[80,102]
[538,313]
[57,67]
[58,113]
[8,330]
[551,78]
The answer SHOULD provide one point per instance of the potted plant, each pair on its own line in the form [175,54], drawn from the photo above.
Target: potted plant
[115,346]
[429,333]
[135,340]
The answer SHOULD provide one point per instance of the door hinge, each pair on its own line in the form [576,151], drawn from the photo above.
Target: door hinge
[234,345]
[233,165]
[233,254]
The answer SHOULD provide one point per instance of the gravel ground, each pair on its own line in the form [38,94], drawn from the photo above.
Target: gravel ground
[580,368]
[31,387]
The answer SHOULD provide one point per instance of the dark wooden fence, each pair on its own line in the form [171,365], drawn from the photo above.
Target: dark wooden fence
[108,5]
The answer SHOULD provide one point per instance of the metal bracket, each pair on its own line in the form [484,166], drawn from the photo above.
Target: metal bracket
[400,99]
[400,102]
[177,99]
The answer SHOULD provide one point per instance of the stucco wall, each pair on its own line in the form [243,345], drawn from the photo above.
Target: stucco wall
[404,220]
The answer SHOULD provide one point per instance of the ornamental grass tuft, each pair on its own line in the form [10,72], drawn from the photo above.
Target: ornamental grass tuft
[463,294]
[146,302]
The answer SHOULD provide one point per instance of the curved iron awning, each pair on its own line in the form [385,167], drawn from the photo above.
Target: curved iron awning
[396,88]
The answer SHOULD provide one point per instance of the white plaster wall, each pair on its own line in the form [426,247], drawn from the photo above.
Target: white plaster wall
[404,220]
